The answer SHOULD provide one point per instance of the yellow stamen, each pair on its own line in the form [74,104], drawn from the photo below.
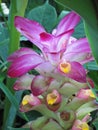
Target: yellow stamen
[90,93]
[25,100]
[65,67]
[51,99]
[83,126]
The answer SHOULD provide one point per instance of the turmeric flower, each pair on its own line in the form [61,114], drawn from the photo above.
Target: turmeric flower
[62,55]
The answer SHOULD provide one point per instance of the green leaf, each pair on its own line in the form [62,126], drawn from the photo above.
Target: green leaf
[34,113]
[3,42]
[92,35]
[91,65]
[9,95]
[11,98]
[3,32]
[10,128]
[11,117]
[4,49]
[79,31]
[95,123]
[45,15]
[88,10]
[33,3]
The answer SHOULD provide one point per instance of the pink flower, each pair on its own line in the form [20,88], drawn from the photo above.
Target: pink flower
[53,100]
[85,94]
[39,85]
[23,82]
[62,55]
[29,102]
[81,124]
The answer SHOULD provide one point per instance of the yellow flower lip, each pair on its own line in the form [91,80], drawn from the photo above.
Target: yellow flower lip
[51,99]
[83,126]
[65,67]
[90,93]
[25,100]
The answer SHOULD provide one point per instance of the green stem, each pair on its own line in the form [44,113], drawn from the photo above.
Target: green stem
[17,7]
[14,35]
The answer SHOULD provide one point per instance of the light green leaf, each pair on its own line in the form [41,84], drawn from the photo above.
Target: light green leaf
[39,123]
[23,4]
[52,125]
[85,109]
[45,15]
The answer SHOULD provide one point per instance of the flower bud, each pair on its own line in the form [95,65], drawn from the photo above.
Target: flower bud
[53,100]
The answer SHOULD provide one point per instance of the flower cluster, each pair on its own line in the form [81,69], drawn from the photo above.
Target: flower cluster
[59,91]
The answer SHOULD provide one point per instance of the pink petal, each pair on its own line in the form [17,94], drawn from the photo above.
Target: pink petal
[20,52]
[46,39]
[67,23]
[30,29]
[45,69]
[79,46]
[56,103]
[77,72]
[54,57]
[77,122]
[33,101]
[58,45]
[82,94]
[23,82]
[23,64]
[90,81]
[75,125]
[62,40]
[71,40]
[39,85]
[49,70]
[79,51]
